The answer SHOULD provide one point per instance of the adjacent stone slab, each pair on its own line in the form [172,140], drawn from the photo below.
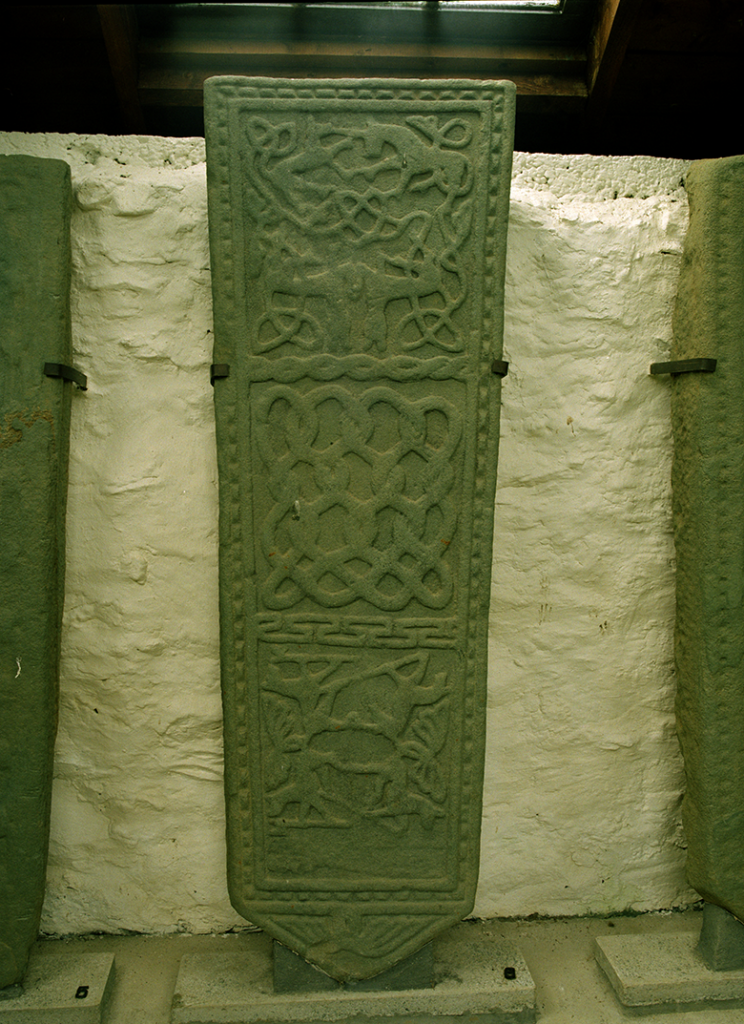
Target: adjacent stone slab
[62,988]
[470,967]
[35,204]
[666,970]
[357,233]
[708,483]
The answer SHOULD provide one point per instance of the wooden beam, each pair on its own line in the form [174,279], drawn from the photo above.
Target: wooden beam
[555,58]
[119,27]
[161,87]
[608,43]
[176,70]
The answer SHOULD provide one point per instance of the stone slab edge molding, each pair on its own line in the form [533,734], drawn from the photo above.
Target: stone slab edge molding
[708,486]
[35,205]
[358,234]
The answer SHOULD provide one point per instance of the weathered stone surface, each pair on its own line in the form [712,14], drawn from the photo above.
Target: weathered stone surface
[35,201]
[358,236]
[708,482]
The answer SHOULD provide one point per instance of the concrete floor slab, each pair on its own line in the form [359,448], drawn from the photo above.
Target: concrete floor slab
[570,985]
[473,968]
[65,988]
[664,971]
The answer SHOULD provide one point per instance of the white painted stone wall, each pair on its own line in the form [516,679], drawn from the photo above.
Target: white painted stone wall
[584,776]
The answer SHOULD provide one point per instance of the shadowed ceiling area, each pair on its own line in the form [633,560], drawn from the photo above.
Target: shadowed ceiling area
[656,77]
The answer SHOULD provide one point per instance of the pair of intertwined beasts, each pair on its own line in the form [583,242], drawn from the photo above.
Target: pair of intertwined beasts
[350,740]
[342,260]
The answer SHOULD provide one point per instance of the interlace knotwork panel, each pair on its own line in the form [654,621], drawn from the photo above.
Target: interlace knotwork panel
[358,231]
[361,482]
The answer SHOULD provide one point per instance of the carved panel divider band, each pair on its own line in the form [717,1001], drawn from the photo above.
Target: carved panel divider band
[358,233]
[35,205]
[708,482]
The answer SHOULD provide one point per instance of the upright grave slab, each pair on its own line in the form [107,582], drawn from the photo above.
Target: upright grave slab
[708,493]
[35,204]
[708,482]
[358,233]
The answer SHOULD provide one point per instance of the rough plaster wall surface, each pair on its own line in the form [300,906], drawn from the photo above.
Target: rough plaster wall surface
[138,814]
[584,775]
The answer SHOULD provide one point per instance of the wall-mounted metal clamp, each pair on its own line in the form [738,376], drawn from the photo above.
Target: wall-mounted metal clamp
[218,370]
[67,373]
[684,366]
[500,367]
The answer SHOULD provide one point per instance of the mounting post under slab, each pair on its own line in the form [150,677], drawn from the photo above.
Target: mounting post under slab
[721,939]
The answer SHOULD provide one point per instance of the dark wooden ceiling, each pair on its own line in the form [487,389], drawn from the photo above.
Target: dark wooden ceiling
[658,77]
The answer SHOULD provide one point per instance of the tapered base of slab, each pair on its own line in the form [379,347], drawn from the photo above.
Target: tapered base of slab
[64,988]
[648,971]
[473,969]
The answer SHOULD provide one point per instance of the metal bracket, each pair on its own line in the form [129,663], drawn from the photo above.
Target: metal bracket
[684,366]
[67,373]
[218,370]
[500,367]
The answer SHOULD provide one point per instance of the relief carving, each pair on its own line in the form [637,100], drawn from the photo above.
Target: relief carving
[358,233]
[361,488]
[351,741]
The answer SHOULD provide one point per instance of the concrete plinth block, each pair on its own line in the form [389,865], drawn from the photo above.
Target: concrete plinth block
[64,988]
[655,971]
[477,975]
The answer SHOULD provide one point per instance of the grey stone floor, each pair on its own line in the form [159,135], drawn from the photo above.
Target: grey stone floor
[571,988]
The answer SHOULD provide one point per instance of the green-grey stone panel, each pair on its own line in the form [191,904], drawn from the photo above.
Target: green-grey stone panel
[35,204]
[708,483]
[358,233]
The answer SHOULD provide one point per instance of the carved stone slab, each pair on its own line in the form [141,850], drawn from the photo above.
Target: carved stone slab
[35,204]
[708,485]
[358,234]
